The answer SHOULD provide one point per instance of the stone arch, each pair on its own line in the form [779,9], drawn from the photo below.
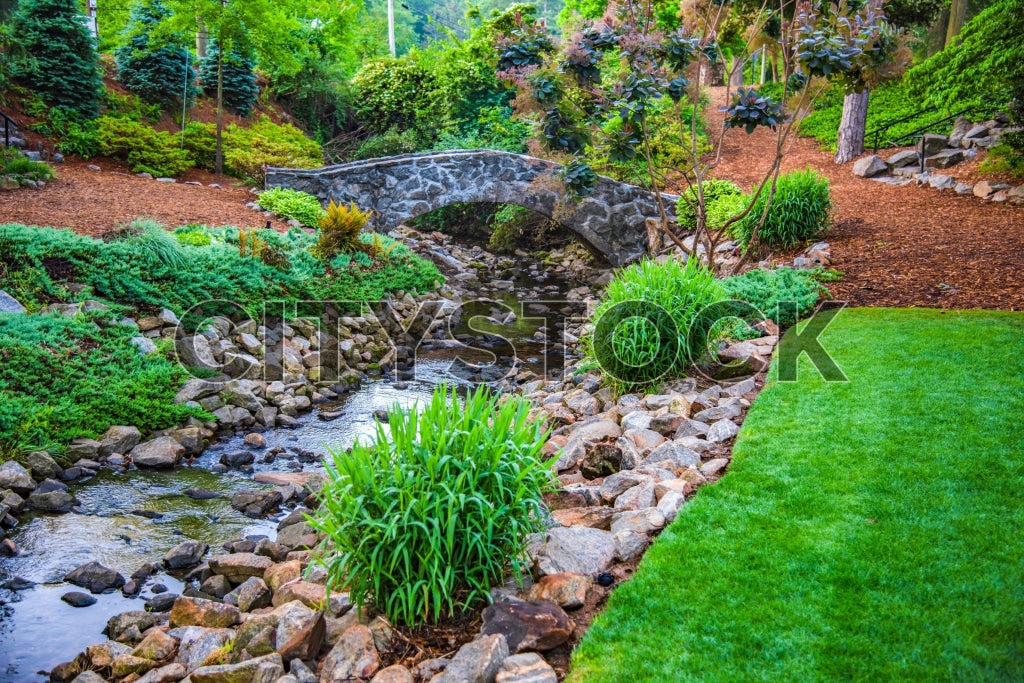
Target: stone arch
[611,220]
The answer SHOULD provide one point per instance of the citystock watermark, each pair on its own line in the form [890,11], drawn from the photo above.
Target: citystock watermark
[489,340]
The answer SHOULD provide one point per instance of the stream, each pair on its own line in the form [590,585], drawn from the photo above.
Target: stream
[38,630]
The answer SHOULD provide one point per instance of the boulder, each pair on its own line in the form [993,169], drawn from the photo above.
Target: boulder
[52,501]
[95,577]
[942,182]
[82,449]
[354,656]
[395,673]
[671,455]
[933,143]
[130,665]
[300,631]
[869,167]
[207,613]
[723,430]
[630,544]
[576,550]
[16,478]
[265,669]
[8,304]
[597,517]
[475,662]
[540,625]
[310,594]
[528,667]
[252,594]
[907,157]
[196,644]
[160,453]
[945,158]
[186,554]
[165,674]
[240,566]
[255,502]
[601,460]
[281,573]
[195,352]
[119,625]
[119,439]
[42,466]
[620,482]
[645,521]
[78,599]
[637,498]
[985,188]
[568,591]
[156,646]
[670,504]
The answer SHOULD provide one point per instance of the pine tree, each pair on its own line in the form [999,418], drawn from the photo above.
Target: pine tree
[154,68]
[59,60]
[240,89]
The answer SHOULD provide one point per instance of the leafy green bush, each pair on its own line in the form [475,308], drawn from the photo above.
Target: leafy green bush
[154,68]
[18,166]
[302,206]
[1003,159]
[201,144]
[339,231]
[649,323]
[247,150]
[428,519]
[391,143]
[146,150]
[57,56]
[766,289]
[239,87]
[69,377]
[799,211]
[713,190]
[75,135]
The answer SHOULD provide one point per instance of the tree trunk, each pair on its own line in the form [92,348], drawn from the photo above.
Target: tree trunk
[202,39]
[852,126]
[736,72]
[219,158]
[957,14]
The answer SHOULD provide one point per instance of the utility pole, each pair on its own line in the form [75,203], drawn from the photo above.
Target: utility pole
[94,27]
[391,27]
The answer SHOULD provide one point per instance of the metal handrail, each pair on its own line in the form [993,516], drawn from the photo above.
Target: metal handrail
[921,130]
[8,122]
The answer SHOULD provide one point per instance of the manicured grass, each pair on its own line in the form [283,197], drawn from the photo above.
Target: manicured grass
[868,530]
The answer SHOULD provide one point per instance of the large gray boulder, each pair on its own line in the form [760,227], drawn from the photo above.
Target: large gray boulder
[476,662]
[8,304]
[16,478]
[119,439]
[160,453]
[869,167]
[576,550]
[95,577]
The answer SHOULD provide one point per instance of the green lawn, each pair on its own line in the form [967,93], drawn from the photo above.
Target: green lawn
[869,530]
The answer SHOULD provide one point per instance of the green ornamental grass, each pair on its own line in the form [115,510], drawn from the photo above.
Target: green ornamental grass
[436,512]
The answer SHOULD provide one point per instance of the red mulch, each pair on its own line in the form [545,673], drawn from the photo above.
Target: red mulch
[899,246]
[96,202]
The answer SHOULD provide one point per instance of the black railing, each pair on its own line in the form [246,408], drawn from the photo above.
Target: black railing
[877,133]
[8,124]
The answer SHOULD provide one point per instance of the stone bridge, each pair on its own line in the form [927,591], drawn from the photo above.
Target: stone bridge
[611,220]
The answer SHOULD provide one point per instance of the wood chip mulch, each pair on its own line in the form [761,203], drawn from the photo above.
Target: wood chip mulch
[898,246]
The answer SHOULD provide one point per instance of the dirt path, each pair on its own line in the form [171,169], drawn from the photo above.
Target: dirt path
[899,246]
[95,202]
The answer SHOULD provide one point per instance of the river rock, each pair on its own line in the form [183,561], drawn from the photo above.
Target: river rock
[353,656]
[266,669]
[396,673]
[240,566]
[160,453]
[8,548]
[165,674]
[217,585]
[119,439]
[670,504]
[907,157]
[252,594]
[671,455]
[597,517]
[300,631]
[196,643]
[16,478]
[186,554]
[95,577]
[528,667]
[206,613]
[119,625]
[281,573]
[568,591]
[630,544]
[644,521]
[157,646]
[615,485]
[42,466]
[576,550]
[52,501]
[602,459]
[475,662]
[8,304]
[869,167]
[540,625]
[130,665]
[637,498]
[78,599]
[311,594]
[723,430]
[255,502]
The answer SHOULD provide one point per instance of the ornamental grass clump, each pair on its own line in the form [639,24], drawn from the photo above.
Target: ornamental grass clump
[654,320]
[799,211]
[436,512]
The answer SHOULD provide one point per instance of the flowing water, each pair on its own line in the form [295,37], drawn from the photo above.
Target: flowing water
[38,630]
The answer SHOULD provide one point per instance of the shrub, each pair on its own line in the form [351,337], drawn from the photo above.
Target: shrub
[648,325]
[428,519]
[392,143]
[146,150]
[390,91]
[292,204]
[103,380]
[58,55]
[714,190]
[265,143]
[239,88]
[799,211]
[15,164]
[339,231]
[507,227]
[766,289]
[153,68]
[201,144]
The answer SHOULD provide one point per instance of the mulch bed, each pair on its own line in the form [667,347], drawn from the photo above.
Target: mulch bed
[899,246]
[96,202]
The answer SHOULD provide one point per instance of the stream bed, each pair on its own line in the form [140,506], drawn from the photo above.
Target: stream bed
[39,630]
